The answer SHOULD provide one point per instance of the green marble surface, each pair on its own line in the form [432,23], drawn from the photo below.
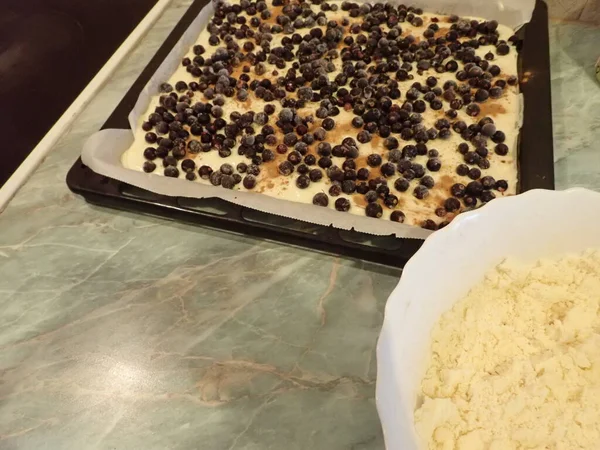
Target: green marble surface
[127,332]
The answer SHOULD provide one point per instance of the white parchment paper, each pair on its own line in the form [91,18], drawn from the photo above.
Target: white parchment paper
[102,152]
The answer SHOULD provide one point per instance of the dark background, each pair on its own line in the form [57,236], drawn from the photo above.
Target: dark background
[49,51]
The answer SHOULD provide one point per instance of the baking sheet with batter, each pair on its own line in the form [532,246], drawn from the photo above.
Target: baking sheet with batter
[102,152]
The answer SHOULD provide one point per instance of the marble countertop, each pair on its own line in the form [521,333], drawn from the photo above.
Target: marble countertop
[121,331]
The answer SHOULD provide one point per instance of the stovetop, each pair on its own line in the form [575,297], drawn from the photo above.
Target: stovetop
[49,51]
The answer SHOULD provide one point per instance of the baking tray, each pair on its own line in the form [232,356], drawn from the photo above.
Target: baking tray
[536,165]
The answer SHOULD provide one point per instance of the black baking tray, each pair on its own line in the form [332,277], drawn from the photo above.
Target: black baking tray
[536,165]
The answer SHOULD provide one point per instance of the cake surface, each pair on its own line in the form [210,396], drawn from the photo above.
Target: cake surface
[373,109]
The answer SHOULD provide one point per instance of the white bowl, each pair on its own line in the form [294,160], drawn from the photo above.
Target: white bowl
[529,226]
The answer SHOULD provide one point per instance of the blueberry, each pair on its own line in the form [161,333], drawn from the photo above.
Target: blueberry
[215,178]
[427,181]
[388,169]
[391,201]
[474,173]
[362,173]
[320,199]
[363,137]
[357,122]
[191,176]
[374,160]
[302,169]
[342,204]
[401,185]
[474,188]
[253,169]
[462,170]
[501,185]
[268,155]
[286,168]
[348,186]
[315,175]
[151,137]
[294,157]
[150,154]
[429,224]
[374,210]
[501,149]
[324,162]
[205,172]
[397,216]
[452,204]
[335,190]
[188,165]
[165,88]
[487,196]
[328,124]
[434,164]
[421,192]
[302,182]
[371,196]
[458,190]
[171,171]
[502,49]
[249,181]
[488,182]
[169,161]
[499,137]
[149,166]
[473,110]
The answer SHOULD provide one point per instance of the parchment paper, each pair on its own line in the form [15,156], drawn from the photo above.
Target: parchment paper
[102,151]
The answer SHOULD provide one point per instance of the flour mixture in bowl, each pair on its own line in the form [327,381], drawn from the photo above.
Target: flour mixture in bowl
[516,364]
[377,109]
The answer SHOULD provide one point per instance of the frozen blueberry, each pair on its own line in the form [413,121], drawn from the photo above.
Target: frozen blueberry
[320,199]
[328,124]
[249,181]
[228,181]
[348,186]
[371,196]
[427,181]
[452,204]
[429,224]
[474,188]
[391,201]
[149,166]
[374,210]
[362,173]
[397,216]
[286,168]
[171,171]
[315,175]
[474,173]
[388,169]
[434,164]
[188,165]
[501,185]
[302,182]
[421,192]
[488,182]
[401,185]
[374,160]
[501,149]
[462,169]
[215,178]
[342,204]
[324,162]
[335,190]
[458,190]
[205,172]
